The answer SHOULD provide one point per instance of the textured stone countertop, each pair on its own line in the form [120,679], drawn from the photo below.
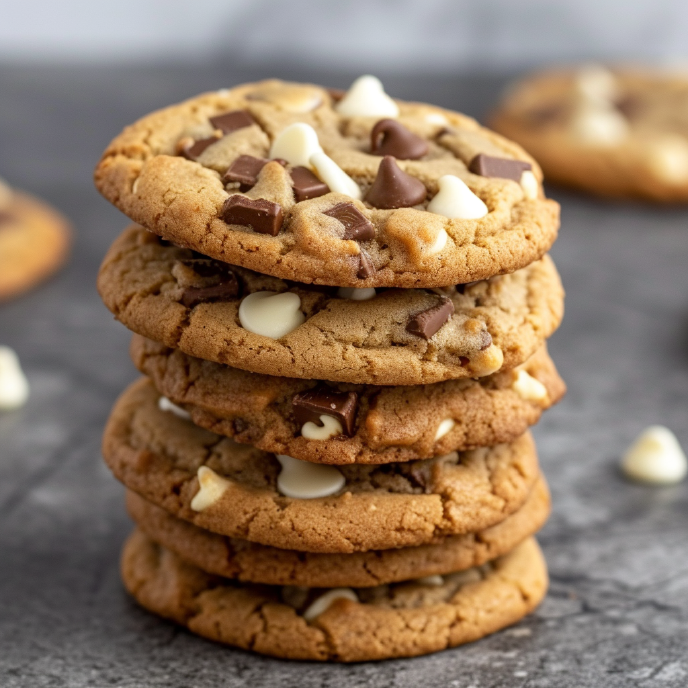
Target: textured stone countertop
[617,610]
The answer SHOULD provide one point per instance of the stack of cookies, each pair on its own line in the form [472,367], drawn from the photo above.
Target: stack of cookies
[340,304]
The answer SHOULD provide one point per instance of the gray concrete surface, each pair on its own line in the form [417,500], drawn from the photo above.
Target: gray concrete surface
[617,611]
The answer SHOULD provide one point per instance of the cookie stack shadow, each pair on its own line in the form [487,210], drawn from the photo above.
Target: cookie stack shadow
[329,471]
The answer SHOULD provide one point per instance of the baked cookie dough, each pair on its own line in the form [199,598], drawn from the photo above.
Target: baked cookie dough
[619,133]
[263,324]
[34,241]
[240,491]
[219,174]
[373,424]
[250,562]
[346,625]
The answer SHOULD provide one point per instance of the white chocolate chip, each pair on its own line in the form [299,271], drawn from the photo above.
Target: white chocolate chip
[434,581]
[444,427]
[528,388]
[456,201]
[331,427]
[487,362]
[305,480]
[164,404]
[270,314]
[296,144]
[5,195]
[668,159]
[356,293]
[598,125]
[334,176]
[436,118]
[324,602]
[530,186]
[210,488]
[438,244]
[655,457]
[367,98]
[14,387]
[597,84]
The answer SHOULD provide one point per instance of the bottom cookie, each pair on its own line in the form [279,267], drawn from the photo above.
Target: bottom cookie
[399,620]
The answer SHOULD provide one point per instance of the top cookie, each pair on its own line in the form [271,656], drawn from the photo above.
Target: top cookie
[291,181]
[620,133]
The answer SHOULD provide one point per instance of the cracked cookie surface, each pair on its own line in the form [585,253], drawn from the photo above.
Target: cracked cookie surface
[158,455]
[390,423]
[399,620]
[143,173]
[496,323]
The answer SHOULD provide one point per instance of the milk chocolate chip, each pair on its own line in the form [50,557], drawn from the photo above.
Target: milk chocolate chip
[426,323]
[393,188]
[356,225]
[260,215]
[505,168]
[366,268]
[306,184]
[321,401]
[389,137]
[192,150]
[228,122]
[245,170]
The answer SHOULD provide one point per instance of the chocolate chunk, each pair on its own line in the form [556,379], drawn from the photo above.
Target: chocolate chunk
[629,105]
[208,268]
[486,340]
[322,401]
[366,268]
[546,114]
[389,137]
[461,288]
[245,170]
[193,151]
[306,184]
[505,168]
[191,296]
[260,215]
[356,225]
[6,217]
[231,121]
[429,321]
[393,188]
[336,94]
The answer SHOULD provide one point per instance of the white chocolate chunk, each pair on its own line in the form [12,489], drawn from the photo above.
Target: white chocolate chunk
[270,314]
[324,602]
[598,125]
[668,159]
[356,293]
[367,98]
[334,176]
[528,388]
[164,404]
[5,195]
[456,201]
[436,118]
[210,488]
[655,457]
[305,480]
[14,387]
[488,361]
[434,581]
[331,427]
[596,83]
[530,186]
[296,144]
[444,427]
[438,244]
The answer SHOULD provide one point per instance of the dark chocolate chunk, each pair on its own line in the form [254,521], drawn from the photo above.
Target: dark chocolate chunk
[505,168]
[366,268]
[427,322]
[356,225]
[260,215]
[486,340]
[191,296]
[336,94]
[629,105]
[322,401]
[228,122]
[306,184]
[193,151]
[389,137]
[245,170]
[208,268]
[393,188]
[546,114]
[461,288]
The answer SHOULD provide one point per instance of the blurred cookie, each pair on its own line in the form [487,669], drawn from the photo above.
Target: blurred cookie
[34,241]
[620,133]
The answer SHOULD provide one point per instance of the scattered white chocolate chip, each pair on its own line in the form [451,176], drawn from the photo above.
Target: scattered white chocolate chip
[456,201]
[487,361]
[14,387]
[668,158]
[270,314]
[305,480]
[5,195]
[164,404]
[596,83]
[356,293]
[530,186]
[655,457]
[528,388]
[296,144]
[324,602]
[334,176]
[444,427]
[331,427]
[210,488]
[367,98]
[598,125]
[436,118]
[434,581]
